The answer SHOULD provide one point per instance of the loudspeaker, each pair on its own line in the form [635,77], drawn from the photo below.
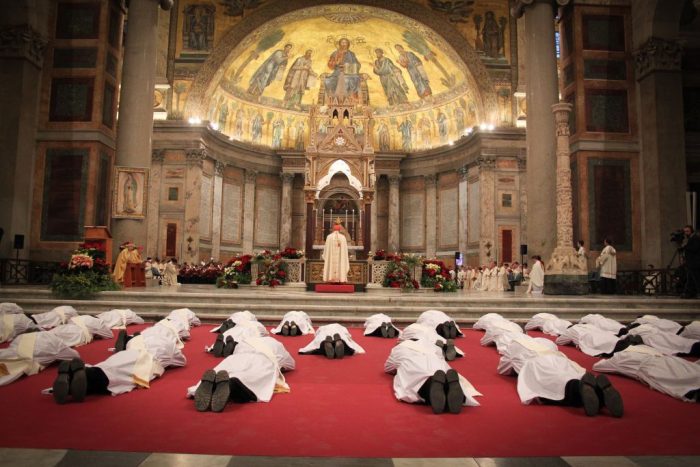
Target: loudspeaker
[19,242]
[523,250]
[458,255]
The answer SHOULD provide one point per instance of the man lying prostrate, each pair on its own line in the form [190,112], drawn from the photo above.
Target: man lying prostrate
[59,315]
[601,322]
[11,308]
[145,357]
[253,373]
[176,327]
[14,324]
[119,319]
[30,353]
[661,324]
[665,342]
[486,320]
[520,349]
[185,314]
[670,375]
[443,324]
[500,333]
[234,319]
[423,376]
[380,325]
[81,330]
[417,331]
[226,343]
[333,341]
[691,331]
[594,341]
[548,323]
[294,323]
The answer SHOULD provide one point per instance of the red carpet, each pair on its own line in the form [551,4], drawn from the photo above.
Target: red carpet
[334,288]
[343,408]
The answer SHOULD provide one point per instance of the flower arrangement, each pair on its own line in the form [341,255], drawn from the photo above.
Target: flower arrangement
[398,275]
[85,274]
[292,253]
[379,255]
[436,276]
[236,271]
[200,274]
[272,269]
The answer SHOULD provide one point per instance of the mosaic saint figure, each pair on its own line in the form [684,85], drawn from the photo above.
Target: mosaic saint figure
[256,128]
[238,125]
[442,126]
[277,130]
[416,71]
[299,141]
[406,129]
[298,81]
[390,76]
[384,141]
[271,69]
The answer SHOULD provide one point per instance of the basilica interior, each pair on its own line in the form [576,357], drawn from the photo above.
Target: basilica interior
[204,129]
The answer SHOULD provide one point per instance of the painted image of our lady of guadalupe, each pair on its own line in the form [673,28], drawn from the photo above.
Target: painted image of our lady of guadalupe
[345,79]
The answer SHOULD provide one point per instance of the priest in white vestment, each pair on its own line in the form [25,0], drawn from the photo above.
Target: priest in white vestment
[336,263]
[660,323]
[666,342]
[120,319]
[670,375]
[592,340]
[227,341]
[548,323]
[14,324]
[441,322]
[692,330]
[234,319]
[536,277]
[81,330]
[30,353]
[333,341]
[380,325]
[601,322]
[423,376]
[294,323]
[420,331]
[59,315]
[11,308]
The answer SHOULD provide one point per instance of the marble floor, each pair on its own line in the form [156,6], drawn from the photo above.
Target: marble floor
[72,458]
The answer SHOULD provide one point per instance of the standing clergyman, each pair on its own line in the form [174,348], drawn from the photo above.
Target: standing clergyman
[335,257]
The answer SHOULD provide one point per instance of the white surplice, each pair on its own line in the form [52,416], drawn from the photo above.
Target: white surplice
[602,322]
[692,331]
[548,323]
[536,278]
[238,317]
[80,330]
[302,320]
[185,314]
[670,375]
[241,331]
[374,322]
[432,318]
[483,322]
[660,323]
[545,376]
[413,362]
[667,343]
[521,349]
[417,331]
[59,315]
[330,330]
[120,319]
[10,308]
[30,353]
[590,339]
[13,324]
[336,263]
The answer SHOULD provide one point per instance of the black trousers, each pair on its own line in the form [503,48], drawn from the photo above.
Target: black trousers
[692,282]
[608,286]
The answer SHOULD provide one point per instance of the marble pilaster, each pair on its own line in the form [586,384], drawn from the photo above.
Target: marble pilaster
[249,210]
[135,125]
[567,272]
[154,191]
[286,211]
[542,93]
[394,219]
[488,242]
[373,227]
[193,204]
[430,215]
[463,217]
[217,204]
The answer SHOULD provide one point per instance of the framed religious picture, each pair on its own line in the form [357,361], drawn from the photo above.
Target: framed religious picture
[129,195]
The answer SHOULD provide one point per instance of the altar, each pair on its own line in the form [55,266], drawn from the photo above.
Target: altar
[357,276]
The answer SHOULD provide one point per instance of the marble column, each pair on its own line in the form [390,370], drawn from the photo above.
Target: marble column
[662,135]
[21,61]
[567,272]
[489,248]
[135,124]
[462,206]
[430,215]
[193,204]
[249,210]
[286,211]
[154,194]
[542,92]
[394,240]
[217,205]
[373,228]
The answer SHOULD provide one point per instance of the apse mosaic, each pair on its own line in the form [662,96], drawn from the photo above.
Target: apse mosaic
[420,91]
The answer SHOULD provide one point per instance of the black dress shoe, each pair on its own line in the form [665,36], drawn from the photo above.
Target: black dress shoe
[589,396]
[437,392]
[441,330]
[121,341]
[285,329]
[384,330]
[339,346]
[61,385]
[221,392]
[205,391]
[391,332]
[611,396]
[294,329]
[229,347]
[453,390]
[219,346]
[450,351]
[328,348]
[78,380]
[453,329]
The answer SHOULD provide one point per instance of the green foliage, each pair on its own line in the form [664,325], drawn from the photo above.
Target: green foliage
[416,42]
[269,40]
[81,284]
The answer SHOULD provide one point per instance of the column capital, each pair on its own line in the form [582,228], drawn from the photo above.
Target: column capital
[219,168]
[430,180]
[196,156]
[158,155]
[394,180]
[287,177]
[463,173]
[657,54]
[250,175]
[519,6]
[561,112]
[22,42]
[486,162]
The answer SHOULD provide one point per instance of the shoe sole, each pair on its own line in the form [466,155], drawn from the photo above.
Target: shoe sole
[121,341]
[453,330]
[205,390]
[221,393]
[589,397]
[438,399]
[219,346]
[455,395]
[328,348]
[450,352]
[384,330]
[78,382]
[294,330]
[61,385]
[391,332]
[611,396]
[285,329]
[229,347]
